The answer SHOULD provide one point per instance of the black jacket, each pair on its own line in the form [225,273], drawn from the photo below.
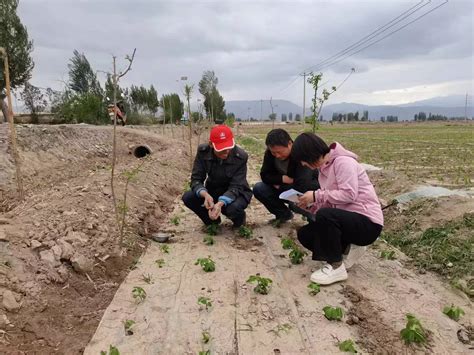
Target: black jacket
[304,179]
[221,177]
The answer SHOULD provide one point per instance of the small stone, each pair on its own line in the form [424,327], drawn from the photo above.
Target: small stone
[4,321]
[56,249]
[9,302]
[81,264]
[67,250]
[3,236]
[463,336]
[35,244]
[48,257]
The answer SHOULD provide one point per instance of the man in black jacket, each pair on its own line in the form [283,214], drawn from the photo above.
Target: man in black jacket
[279,173]
[219,180]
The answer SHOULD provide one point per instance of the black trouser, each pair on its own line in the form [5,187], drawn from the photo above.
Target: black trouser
[235,211]
[268,195]
[333,230]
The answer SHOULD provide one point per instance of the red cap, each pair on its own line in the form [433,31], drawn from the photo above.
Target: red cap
[222,138]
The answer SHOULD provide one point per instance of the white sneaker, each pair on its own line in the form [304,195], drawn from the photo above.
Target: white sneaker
[328,275]
[354,255]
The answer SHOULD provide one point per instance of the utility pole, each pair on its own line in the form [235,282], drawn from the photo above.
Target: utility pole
[465,109]
[261,110]
[304,99]
[273,117]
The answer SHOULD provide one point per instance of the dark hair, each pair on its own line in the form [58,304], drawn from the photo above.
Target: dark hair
[309,148]
[278,137]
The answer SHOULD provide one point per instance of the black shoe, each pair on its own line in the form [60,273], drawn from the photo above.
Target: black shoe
[278,221]
[239,223]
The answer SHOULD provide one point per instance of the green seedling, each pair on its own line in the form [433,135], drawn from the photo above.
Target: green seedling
[286,327]
[314,288]
[160,263]
[388,255]
[263,284]
[333,313]
[414,331]
[205,301]
[112,351]
[212,229]
[147,278]
[206,337]
[297,255]
[347,346]
[128,325]
[134,264]
[175,220]
[139,294]
[208,240]
[165,249]
[207,352]
[245,232]
[453,312]
[287,243]
[207,264]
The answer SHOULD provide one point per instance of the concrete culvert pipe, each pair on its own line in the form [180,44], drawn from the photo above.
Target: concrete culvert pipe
[140,151]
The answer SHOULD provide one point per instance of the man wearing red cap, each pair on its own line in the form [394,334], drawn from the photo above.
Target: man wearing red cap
[219,180]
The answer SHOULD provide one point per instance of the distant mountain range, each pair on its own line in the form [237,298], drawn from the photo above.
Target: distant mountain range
[450,106]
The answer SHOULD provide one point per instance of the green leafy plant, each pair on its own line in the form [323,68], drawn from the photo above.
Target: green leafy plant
[160,263]
[175,220]
[287,243]
[207,264]
[165,249]
[263,284]
[347,346]
[139,294]
[134,264]
[388,255]
[205,352]
[414,331]
[212,229]
[147,278]
[333,313]
[205,301]
[208,240]
[206,337]
[297,255]
[128,325]
[453,312]
[314,288]
[245,232]
[112,351]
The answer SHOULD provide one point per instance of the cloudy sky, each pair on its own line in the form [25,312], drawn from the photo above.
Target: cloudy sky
[258,48]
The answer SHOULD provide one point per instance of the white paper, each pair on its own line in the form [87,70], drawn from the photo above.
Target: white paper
[290,195]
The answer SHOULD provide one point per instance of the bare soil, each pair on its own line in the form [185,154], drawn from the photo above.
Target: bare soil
[58,251]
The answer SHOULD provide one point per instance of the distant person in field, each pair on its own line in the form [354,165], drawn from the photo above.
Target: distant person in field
[348,215]
[279,173]
[219,180]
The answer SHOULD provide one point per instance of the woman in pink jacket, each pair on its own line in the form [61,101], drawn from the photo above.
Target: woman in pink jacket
[348,215]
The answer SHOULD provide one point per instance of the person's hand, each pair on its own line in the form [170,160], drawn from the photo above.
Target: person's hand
[215,212]
[306,199]
[287,180]
[208,200]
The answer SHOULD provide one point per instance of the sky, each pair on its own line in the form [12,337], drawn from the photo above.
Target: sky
[258,49]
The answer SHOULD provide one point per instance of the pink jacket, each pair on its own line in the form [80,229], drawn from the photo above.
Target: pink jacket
[345,185]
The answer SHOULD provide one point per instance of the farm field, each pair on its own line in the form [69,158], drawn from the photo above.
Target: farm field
[147,300]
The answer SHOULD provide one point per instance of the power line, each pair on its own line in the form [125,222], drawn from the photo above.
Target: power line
[380,39]
[373,34]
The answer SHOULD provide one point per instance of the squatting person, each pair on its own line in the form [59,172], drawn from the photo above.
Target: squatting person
[279,173]
[348,215]
[219,180]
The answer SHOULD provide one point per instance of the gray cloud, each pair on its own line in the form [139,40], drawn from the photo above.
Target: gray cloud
[255,48]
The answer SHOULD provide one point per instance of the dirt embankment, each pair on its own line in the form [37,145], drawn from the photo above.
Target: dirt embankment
[58,271]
